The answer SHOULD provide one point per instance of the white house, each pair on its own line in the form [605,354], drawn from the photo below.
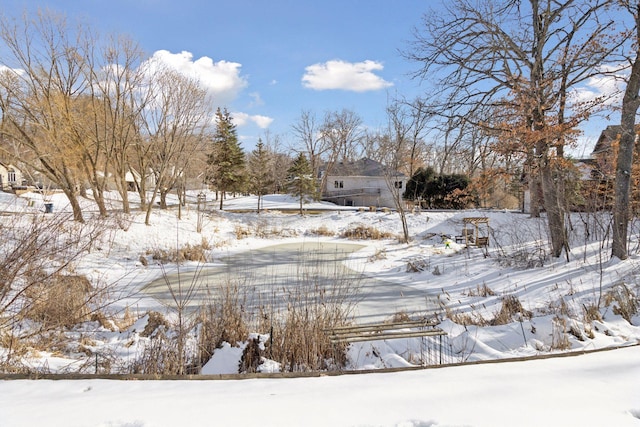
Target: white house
[10,177]
[361,183]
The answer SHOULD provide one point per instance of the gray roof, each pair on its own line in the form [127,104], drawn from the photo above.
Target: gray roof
[362,167]
[607,136]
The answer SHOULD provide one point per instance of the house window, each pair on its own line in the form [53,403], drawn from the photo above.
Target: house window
[338,184]
[11,176]
[398,184]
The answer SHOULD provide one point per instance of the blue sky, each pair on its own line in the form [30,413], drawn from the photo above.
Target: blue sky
[267,60]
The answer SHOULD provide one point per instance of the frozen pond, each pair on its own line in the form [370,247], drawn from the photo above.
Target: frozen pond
[273,275]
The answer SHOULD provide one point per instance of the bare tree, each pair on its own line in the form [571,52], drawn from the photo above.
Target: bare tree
[527,54]
[174,126]
[37,97]
[393,148]
[308,133]
[116,75]
[624,162]
[343,139]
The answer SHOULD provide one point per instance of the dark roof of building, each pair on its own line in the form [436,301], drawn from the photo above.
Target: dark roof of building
[362,167]
[607,136]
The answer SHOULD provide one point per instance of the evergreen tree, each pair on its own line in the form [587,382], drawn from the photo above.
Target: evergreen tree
[226,160]
[437,190]
[260,179]
[300,181]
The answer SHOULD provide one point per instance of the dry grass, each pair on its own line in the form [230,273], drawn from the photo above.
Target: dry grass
[559,337]
[323,230]
[187,252]
[509,310]
[481,291]
[59,301]
[155,322]
[379,255]
[363,232]
[223,319]
[295,319]
[624,301]
[466,319]
[242,232]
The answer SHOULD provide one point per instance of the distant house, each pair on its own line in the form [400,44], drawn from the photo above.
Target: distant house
[10,177]
[361,183]
[603,153]
[133,179]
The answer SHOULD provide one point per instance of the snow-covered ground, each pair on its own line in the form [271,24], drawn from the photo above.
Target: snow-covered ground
[590,390]
[595,390]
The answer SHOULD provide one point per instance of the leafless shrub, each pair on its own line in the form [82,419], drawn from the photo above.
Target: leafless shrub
[417,265]
[155,322]
[323,230]
[380,254]
[59,301]
[559,337]
[39,290]
[510,307]
[160,355]
[525,258]
[466,319]
[242,232]
[400,316]
[251,356]
[300,339]
[481,291]
[223,319]
[188,252]
[363,232]
[520,245]
[625,302]
[591,313]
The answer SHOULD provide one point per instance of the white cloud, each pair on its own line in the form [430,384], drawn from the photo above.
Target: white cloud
[609,86]
[242,119]
[338,74]
[257,99]
[17,71]
[222,79]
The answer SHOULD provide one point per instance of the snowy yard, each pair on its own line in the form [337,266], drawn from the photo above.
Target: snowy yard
[467,290]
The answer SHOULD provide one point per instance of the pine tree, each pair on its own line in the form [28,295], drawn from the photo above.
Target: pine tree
[226,160]
[260,179]
[300,181]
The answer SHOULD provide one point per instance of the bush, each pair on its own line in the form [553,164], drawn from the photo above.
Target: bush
[186,253]
[510,307]
[624,300]
[362,232]
[323,230]
[60,301]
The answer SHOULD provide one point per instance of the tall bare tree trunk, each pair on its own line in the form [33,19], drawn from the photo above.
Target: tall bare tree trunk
[624,162]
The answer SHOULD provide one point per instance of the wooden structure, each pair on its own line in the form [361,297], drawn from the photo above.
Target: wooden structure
[384,331]
[475,232]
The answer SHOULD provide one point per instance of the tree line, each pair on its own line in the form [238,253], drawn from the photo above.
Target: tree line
[501,106]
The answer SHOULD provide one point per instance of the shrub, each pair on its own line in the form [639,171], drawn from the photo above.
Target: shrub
[242,232]
[60,300]
[481,291]
[323,230]
[156,320]
[362,232]
[186,253]
[510,307]
[559,337]
[624,300]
